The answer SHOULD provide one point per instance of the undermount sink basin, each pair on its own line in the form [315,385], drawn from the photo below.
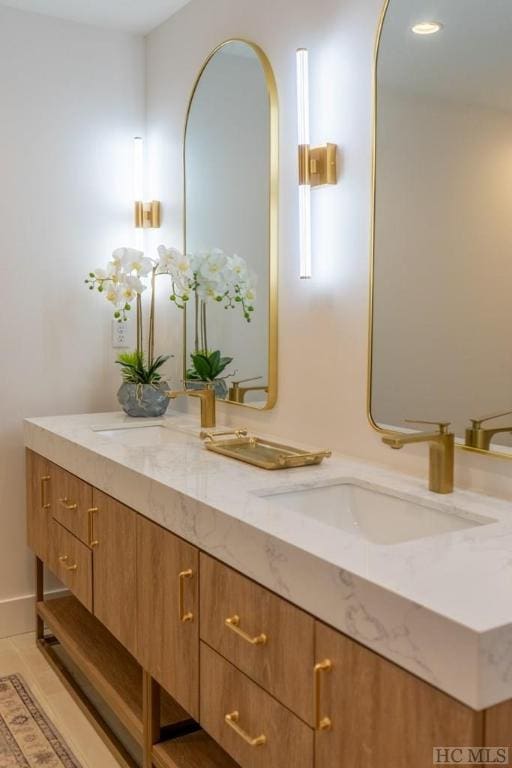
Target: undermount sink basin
[374,515]
[143,436]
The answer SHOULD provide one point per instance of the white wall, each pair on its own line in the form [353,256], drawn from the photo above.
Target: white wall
[71,99]
[443,268]
[323,322]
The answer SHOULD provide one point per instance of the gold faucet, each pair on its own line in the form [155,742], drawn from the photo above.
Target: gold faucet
[477,437]
[207,397]
[237,393]
[442,444]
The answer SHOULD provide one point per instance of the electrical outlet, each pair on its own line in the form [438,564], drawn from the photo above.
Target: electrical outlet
[122,334]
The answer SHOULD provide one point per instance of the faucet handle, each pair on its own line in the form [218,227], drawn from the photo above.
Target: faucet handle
[441,425]
[477,423]
[244,381]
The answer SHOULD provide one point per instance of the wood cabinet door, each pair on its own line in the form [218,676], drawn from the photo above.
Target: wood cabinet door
[39,503]
[113,538]
[382,716]
[168,590]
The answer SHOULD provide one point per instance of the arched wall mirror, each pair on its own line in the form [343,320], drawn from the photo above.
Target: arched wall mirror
[231,188]
[441,347]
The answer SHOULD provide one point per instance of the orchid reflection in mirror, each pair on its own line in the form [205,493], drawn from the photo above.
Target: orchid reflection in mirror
[441,456]
[209,279]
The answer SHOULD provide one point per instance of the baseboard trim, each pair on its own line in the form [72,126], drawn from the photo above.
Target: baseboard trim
[17,614]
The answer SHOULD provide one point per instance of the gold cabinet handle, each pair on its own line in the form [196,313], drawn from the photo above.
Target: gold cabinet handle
[184,615]
[321,723]
[233,623]
[93,542]
[44,504]
[67,504]
[232,720]
[63,559]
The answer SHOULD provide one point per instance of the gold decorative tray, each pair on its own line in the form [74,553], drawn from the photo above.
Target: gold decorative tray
[261,453]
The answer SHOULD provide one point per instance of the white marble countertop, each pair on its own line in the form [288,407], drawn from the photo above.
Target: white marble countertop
[439,606]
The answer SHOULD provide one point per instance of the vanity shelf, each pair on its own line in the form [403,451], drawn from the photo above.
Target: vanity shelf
[108,667]
[195,750]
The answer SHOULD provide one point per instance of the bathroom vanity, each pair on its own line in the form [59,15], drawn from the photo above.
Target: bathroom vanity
[222,615]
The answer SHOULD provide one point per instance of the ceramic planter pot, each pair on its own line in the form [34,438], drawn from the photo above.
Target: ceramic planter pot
[144,399]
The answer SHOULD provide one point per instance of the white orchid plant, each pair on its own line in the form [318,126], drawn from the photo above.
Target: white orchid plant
[210,276]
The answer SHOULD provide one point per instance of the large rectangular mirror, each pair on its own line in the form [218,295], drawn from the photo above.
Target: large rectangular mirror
[442,245]
[231,226]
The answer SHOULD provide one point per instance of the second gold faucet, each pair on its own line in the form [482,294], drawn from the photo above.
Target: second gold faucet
[442,449]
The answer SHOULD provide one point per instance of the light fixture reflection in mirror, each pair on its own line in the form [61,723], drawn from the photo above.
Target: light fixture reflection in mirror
[427,28]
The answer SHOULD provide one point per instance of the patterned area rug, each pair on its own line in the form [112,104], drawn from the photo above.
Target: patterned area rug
[27,737]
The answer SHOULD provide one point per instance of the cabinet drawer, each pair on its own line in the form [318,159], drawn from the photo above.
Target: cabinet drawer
[266,637]
[247,722]
[71,502]
[71,562]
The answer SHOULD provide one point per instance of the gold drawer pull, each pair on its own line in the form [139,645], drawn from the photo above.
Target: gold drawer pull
[68,505]
[63,559]
[184,615]
[44,504]
[232,720]
[233,623]
[321,723]
[93,542]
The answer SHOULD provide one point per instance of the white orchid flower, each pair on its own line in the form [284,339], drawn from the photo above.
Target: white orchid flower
[248,293]
[208,291]
[113,294]
[183,266]
[238,267]
[141,266]
[213,267]
[117,259]
[167,256]
[131,260]
[133,283]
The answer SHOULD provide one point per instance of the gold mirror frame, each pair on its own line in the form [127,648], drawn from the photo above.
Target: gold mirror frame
[373,423]
[273,217]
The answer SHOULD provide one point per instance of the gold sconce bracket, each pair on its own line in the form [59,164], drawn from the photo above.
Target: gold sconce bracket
[147,215]
[318,165]
[323,167]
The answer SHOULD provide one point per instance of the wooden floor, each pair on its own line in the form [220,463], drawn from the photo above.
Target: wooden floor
[20,654]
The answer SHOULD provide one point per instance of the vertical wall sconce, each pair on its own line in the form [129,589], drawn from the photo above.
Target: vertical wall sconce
[304,177]
[317,165]
[146,215]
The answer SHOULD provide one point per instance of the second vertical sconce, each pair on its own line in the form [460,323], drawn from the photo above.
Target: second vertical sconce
[146,215]
[317,165]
